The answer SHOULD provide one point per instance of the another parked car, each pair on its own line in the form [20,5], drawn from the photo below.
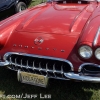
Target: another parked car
[10,7]
[18,5]
[59,39]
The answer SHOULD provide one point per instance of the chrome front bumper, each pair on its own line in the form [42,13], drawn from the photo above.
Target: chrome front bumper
[78,77]
[6,63]
[69,75]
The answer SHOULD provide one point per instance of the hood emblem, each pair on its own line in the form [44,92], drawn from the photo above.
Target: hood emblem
[38,41]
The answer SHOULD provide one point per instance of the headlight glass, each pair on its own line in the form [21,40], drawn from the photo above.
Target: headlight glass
[85,52]
[97,53]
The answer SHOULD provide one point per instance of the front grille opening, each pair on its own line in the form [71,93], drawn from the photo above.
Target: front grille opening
[19,68]
[37,72]
[58,75]
[30,62]
[18,60]
[58,66]
[66,67]
[30,70]
[41,65]
[43,73]
[25,69]
[51,64]
[51,74]
[37,62]
[91,70]
[12,67]
[11,59]
[24,61]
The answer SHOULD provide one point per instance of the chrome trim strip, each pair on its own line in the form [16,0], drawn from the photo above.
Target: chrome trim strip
[79,70]
[48,77]
[96,37]
[74,76]
[45,70]
[6,63]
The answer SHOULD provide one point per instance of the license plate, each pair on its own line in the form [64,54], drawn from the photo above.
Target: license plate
[33,79]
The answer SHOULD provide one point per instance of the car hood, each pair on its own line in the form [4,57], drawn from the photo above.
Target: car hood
[51,30]
[58,19]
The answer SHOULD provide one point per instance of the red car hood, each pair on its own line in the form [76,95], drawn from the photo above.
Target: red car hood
[51,30]
[57,19]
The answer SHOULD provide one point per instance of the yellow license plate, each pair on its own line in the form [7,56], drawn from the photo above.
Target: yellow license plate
[33,79]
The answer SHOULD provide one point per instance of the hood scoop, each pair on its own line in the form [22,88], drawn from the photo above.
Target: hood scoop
[80,21]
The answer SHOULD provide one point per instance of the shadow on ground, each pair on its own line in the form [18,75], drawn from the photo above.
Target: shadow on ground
[7,13]
[59,90]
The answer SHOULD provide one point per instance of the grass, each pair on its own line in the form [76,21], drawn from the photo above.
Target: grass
[9,12]
[58,89]
[35,2]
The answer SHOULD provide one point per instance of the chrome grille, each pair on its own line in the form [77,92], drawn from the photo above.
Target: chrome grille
[48,66]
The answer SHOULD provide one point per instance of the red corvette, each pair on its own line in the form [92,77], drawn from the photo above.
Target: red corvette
[58,39]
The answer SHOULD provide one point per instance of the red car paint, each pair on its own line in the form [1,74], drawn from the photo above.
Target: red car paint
[63,28]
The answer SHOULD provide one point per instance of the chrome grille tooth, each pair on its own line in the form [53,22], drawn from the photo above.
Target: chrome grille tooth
[40,68]
[62,72]
[47,69]
[21,64]
[10,61]
[34,67]
[15,62]
[28,66]
[54,70]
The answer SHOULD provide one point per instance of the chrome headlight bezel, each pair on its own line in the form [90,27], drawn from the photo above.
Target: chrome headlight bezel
[88,52]
[97,51]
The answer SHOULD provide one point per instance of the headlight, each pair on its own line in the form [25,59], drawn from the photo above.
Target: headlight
[97,53]
[85,52]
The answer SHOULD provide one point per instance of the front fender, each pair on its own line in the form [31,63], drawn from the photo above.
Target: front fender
[7,31]
[90,30]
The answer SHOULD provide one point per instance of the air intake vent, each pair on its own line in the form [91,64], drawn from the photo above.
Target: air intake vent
[91,70]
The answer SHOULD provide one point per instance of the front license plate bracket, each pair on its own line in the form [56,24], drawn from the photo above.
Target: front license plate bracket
[32,79]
